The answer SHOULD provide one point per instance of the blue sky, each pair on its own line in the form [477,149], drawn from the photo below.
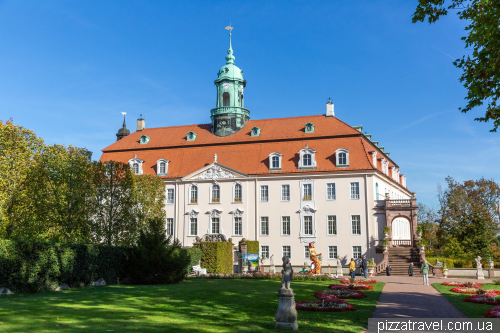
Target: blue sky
[68,69]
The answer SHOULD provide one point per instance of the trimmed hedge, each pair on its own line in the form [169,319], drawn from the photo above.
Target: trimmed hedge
[217,257]
[460,263]
[252,247]
[33,267]
[194,254]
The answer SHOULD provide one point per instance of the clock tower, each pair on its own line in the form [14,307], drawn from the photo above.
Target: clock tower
[230,115]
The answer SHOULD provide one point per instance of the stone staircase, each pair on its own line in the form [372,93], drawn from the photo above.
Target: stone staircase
[400,259]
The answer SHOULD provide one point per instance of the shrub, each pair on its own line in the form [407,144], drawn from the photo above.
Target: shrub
[217,257]
[157,259]
[252,246]
[497,282]
[32,267]
[194,254]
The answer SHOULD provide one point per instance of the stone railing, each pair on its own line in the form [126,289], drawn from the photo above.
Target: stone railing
[380,268]
[402,242]
[229,109]
[399,203]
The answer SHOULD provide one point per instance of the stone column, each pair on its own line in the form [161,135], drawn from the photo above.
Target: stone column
[286,315]
[243,249]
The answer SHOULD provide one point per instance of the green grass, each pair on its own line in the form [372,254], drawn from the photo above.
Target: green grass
[471,310]
[195,305]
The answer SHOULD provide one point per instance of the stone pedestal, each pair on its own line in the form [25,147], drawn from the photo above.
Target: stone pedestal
[272,269]
[438,272]
[479,273]
[491,273]
[339,272]
[286,315]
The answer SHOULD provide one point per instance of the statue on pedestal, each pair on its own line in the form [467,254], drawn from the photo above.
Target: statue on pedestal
[339,267]
[286,315]
[316,264]
[479,272]
[272,268]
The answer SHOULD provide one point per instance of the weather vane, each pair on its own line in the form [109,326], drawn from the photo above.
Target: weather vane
[124,113]
[230,28]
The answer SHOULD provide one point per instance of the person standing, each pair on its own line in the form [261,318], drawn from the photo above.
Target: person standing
[410,270]
[352,268]
[388,270]
[425,271]
[364,266]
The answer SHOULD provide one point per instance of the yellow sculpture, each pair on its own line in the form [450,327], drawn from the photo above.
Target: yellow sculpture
[316,264]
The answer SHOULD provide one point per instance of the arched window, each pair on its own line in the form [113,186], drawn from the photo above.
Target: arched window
[237,193]
[136,168]
[376,191]
[194,194]
[162,167]
[225,99]
[342,155]
[215,193]
[342,159]
[307,160]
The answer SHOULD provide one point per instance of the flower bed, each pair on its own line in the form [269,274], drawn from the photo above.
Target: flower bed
[460,284]
[493,313]
[330,305]
[482,299]
[467,290]
[356,286]
[357,281]
[339,293]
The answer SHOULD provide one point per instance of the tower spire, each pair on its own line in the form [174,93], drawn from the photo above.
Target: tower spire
[230,58]
[122,132]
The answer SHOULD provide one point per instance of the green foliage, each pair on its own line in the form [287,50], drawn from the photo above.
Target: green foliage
[149,197]
[32,267]
[480,69]
[157,259]
[252,246]
[386,230]
[217,257]
[194,254]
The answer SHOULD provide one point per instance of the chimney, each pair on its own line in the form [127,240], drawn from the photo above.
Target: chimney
[329,108]
[141,124]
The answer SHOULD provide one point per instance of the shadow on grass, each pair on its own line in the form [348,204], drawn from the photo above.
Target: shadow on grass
[197,305]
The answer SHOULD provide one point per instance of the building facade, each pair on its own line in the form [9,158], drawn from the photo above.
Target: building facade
[284,182]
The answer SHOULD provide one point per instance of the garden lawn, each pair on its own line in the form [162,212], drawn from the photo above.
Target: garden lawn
[471,310]
[195,305]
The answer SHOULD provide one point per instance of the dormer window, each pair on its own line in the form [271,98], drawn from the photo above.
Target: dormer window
[307,158]
[144,139]
[255,131]
[342,157]
[162,167]
[136,165]
[275,161]
[374,158]
[309,128]
[191,136]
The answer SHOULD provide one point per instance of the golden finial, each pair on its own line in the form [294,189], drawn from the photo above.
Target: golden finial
[230,28]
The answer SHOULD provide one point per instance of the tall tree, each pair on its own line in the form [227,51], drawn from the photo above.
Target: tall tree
[429,218]
[149,198]
[19,148]
[481,71]
[469,218]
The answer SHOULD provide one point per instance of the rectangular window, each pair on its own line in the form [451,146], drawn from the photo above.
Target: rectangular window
[330,191]
[170,196]
[264,251]
[356,252]
[356,224]
[215,193]
[308,225]
[286,251]
[307,188]
[264,193]
[285,225]
[237,193]
[355,191]
[306,252]
[215,225]
[238,230]
[332,225]
[193,228]
[170,226]
[285,192]
[264,225]
[194,194]
[332,252]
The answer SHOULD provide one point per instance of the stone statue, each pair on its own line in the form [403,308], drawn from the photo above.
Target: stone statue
[438,263]
[479,271]
[339,267]
[271,260]
[272,268]
[287,273]
[478,262]
[316,264]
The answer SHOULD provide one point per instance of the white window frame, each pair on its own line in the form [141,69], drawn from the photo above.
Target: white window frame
[158,163]
[337,159]
[212,225]
[260,193]
[275,154]
[328,252]
[360,224]
[211,193]
[237,216]
[166,196]
[214,213]
[304,226]
[190,224]
[191,186]
[303,152]
[352,251]
[262,252]
[283,252]
[134,160]
[310,185]
[336,225]
[234,191]
[307,254]
[268,226]
[290,225]
[289,193]
[334,191]
[173,226]
[302,186]
[350,191]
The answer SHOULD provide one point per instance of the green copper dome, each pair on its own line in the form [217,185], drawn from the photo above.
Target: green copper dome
[230,71]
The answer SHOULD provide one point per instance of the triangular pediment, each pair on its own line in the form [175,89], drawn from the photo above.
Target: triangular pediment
[215,171]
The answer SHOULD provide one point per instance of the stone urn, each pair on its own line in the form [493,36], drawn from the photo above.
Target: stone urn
[422,247]
[370,271]
[386,235]
[491,264]
[446,273]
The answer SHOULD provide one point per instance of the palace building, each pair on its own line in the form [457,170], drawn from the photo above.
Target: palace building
[284,182]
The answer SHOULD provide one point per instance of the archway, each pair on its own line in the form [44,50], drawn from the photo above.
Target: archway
[401,231]
[225,99]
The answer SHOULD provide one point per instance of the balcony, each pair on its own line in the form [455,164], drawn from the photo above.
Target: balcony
[194,200]
[229,109]
[237,199]
[307,198]
[399,203]
[215,199]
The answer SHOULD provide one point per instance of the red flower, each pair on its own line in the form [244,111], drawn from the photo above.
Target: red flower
[493,313]
[330,305]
